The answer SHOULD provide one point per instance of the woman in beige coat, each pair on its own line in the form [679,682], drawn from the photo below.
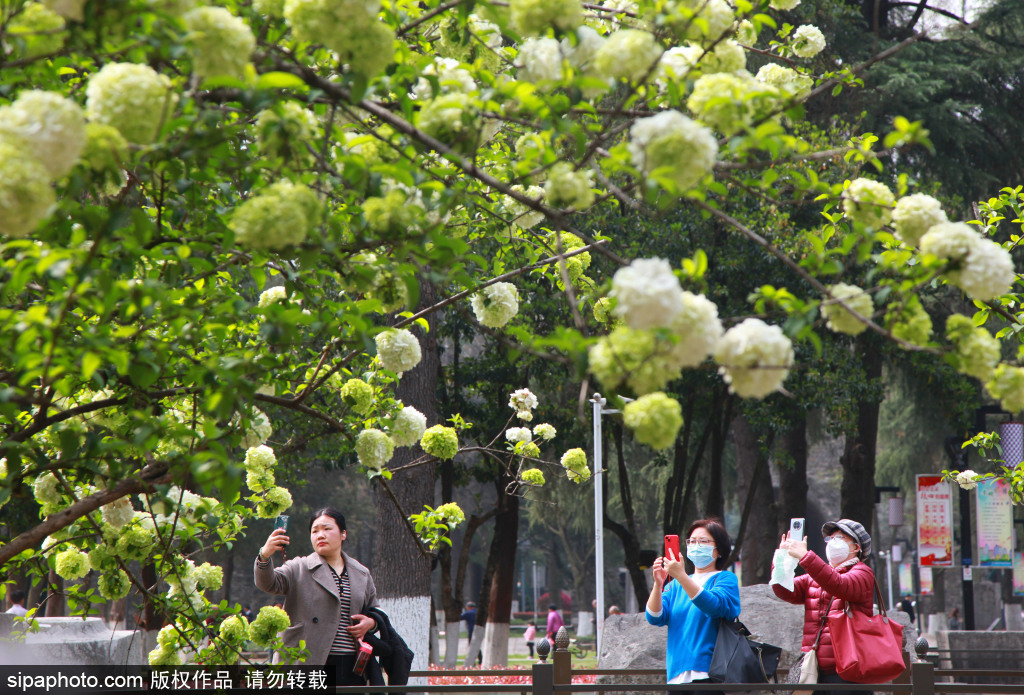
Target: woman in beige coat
[326,594]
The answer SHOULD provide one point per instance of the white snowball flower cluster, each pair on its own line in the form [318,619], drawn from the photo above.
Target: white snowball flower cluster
[545,431]
[219,42]
[25,193]
[976,352]
[983,269]
[628,54]
[374,448]
[807,41]
[451,77]
[868,202]
[540,60]
[519,434]
[496,305]
[522,216]
[47,126]
[704,20]
[839,318]
[408,426]
[272,295]
[117,513]
[675,145]
[967,479]
[133,98]
[568,187]
[581,56]
[647,294]
[278,216]
[755,358]
[914,215]
[259,430]
[786,79]
[523,401]
[398,349]
[675,65]
[697,329]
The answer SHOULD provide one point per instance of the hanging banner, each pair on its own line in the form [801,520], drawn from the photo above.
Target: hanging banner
[927,583]
[906,580]
[934,521]
[1018,574]
[995,524]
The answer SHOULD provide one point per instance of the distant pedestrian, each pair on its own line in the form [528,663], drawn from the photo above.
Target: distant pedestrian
[530,635]
[554,622]
[614,610]
[17,599]
[954,619]
[469,615]
[907,606]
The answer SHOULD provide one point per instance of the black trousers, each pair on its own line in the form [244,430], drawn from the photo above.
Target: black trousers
[831,678]
[699,692]
[343,664]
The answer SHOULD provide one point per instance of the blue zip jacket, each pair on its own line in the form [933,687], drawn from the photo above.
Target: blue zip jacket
[693,625]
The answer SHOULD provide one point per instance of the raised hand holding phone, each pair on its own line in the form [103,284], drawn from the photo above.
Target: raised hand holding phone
[281,522]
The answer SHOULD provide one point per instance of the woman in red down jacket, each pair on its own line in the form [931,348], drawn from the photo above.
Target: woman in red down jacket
[843,578]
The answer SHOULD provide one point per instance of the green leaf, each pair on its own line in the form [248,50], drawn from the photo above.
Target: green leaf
[281,80]
[90,363]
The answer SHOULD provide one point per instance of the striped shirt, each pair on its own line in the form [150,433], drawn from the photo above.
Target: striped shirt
[344,643]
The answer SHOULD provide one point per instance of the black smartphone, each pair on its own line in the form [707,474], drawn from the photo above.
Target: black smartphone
[282,522]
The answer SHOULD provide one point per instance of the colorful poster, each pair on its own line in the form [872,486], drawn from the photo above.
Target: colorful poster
[995,524]
[1018,574]
[927,583]
[934,521]
[906,580]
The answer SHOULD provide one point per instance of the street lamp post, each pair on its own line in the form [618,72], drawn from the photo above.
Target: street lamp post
[598,402]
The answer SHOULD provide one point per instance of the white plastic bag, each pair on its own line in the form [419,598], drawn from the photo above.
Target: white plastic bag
[783,569]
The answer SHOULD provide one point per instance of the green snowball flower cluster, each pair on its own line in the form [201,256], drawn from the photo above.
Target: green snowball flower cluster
[374,448]
[839,318]
[114,584]
[46,490]
[270,621]
[568,187]
[654,418]
[47,126]
[350,28]
[358,395]
[628,54]
[527,449]
[451,513]
[673,145]
[440,441]
[71,564]
[35,32]
[496,305]
[279,216]
[274,502]
[162,656]
[408,426]
[133,98]
[535,17]
[479,39]
[392,213]
[1007,385]
[235,630]
[286,131]
[910,322]
[977,352]
[532,476]
[102,558]
[697,20]
[398,350]
[868,202]
[603,310]
[26,196]
[136,542]
[574,461]
[785,79]
[219,43]
[260,462]
[730,102]
[454,119]
[209,576]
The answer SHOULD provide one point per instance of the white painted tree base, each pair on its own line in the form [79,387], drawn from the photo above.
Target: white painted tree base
[451,644]
[410,616]
[496,645]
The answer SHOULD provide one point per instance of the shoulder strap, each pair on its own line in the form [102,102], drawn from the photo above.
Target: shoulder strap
[824,619]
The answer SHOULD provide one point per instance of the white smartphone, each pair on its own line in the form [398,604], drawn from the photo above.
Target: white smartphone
[796,529]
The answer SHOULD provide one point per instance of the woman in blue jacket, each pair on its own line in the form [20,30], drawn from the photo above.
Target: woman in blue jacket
[692,605]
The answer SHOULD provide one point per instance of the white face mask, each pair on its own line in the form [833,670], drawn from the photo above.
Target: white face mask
[837,550]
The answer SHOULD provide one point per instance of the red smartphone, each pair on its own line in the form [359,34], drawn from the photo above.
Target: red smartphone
[672,543]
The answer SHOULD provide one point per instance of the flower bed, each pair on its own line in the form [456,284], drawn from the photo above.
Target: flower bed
[523,678]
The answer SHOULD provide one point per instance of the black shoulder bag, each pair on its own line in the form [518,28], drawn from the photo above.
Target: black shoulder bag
[739,659]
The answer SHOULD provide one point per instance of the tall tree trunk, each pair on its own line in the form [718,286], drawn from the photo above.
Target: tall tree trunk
[401,568]
[754,487]
[626,533]
[54,596]
[229,570]
[721,420]
[503,581]
[793,474]
[858,459]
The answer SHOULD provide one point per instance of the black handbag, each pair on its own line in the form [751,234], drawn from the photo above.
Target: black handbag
[738,659]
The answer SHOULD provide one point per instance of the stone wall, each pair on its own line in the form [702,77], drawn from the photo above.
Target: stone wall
[72,641]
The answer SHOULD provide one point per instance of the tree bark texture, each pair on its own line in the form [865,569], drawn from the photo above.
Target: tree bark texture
[625,532]
[858,460]
[754,486]
[792,471]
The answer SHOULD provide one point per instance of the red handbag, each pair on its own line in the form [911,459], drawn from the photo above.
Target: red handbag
[868,648]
